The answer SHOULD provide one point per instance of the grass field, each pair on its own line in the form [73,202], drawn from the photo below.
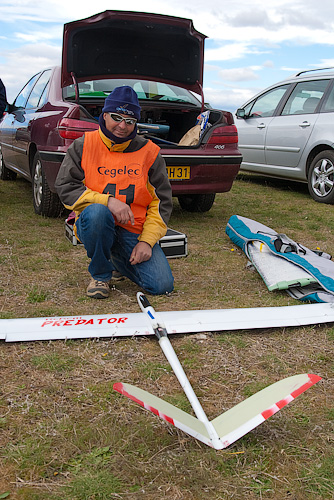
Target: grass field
[66,435]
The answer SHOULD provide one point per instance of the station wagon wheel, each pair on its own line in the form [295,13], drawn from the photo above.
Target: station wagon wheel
[321,177]
[5,173]
[196,202]
[45,202]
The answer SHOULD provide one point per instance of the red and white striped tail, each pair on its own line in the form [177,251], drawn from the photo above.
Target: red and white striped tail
[234,423]
[244,417]
[179,418]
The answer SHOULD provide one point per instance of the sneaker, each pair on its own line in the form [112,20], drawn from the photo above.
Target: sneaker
[98,289]
[117,276]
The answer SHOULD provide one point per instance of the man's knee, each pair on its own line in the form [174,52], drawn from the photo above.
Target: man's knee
[97,217]
[160,287]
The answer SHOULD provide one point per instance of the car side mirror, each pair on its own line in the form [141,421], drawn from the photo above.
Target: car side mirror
[240,113]
[11,108]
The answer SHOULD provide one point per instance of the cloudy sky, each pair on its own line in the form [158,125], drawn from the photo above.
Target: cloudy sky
[251,44]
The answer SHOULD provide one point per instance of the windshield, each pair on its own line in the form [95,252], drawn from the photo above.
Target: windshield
[146,91]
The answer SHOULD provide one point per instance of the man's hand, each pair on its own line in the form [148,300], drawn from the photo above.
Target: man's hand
[121,211]
[141,252]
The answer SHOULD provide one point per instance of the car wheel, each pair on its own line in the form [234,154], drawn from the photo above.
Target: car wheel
[45,202]
[5,173]
[196,202]
[321,177]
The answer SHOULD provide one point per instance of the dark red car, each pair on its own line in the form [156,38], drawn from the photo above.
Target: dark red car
[161,57]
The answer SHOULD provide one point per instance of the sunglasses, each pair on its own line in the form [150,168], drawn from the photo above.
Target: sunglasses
[119,118]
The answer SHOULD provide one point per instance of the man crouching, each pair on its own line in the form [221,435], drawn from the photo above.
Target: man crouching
[117,184]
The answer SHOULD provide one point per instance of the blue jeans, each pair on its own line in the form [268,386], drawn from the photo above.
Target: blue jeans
[109,247]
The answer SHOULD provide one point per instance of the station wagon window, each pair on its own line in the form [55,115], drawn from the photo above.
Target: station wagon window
[266,104]
[329,104]
[305,97]
[38,89]
[21,99]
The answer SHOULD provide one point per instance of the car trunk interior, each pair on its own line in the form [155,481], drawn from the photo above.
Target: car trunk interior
[165,125]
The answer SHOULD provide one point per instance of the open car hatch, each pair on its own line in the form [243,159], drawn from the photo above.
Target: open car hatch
[119,44]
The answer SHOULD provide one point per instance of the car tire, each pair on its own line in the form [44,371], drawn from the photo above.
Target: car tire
[5,173]
[321,177]
[45,202]
[196,202]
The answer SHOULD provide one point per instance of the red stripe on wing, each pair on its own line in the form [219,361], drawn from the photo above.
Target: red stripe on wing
[119,387]
[313,379]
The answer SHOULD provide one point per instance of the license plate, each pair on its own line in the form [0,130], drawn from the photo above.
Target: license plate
[178,173]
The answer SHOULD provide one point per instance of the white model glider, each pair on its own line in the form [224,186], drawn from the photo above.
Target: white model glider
[129,325]
[231,425]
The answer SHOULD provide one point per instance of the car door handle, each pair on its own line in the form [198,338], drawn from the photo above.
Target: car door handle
[305,124]
[261,125]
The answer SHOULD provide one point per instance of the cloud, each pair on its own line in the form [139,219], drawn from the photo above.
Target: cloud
[279,22]
[34,36]
[231,51]
[254,18]
[298,17]
[327,62]
[229,99]
[23,63]
[238,74]
[262,39]
[277,15]
[29,10]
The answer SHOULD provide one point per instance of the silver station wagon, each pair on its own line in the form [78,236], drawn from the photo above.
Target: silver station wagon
[287,132]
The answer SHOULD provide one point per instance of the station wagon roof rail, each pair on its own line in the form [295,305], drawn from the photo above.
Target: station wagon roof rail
[315,69]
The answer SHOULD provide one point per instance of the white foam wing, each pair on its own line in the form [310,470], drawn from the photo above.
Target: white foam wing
[119,325]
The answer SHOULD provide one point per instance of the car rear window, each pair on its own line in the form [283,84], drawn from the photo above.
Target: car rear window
[38,90]
[146,91]
[22,98]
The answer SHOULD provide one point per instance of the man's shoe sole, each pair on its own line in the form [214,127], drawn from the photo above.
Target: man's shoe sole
[97,294]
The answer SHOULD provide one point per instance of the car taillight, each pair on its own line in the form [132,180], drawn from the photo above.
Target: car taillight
[224,135]
[70,128]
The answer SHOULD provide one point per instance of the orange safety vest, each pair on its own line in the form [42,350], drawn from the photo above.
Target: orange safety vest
[122,175]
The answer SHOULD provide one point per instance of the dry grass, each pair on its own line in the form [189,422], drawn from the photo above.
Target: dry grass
[65,434]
